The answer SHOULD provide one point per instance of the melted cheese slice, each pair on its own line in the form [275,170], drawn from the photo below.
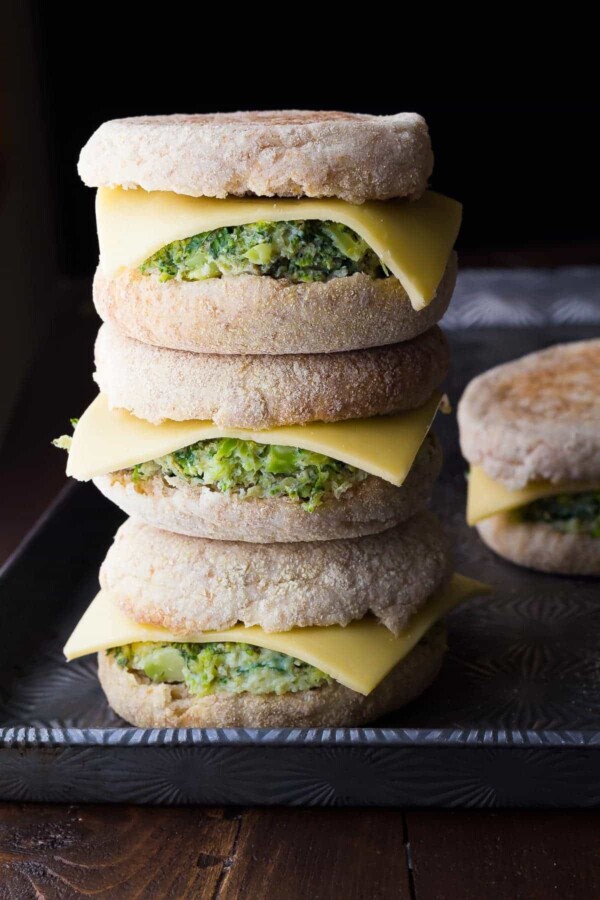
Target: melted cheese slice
[486,497]
[107,440]
[358,656]
[413,239]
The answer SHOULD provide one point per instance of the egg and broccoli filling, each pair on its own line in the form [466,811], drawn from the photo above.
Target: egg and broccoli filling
[569,513]
[301,251]
[249,469]
[220,668]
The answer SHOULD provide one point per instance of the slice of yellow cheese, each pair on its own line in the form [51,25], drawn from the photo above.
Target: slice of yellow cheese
[108,440]
[413,239]
[486,497]
[359,656]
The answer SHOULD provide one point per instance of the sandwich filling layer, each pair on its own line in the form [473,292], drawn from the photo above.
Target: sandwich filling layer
[358,655]
[177,236]
[302,251]
[222,667]
[568,506]
[112,440]
[570,513]
[249,469]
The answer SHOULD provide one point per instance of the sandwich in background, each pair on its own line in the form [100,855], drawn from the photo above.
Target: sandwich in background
[531,431]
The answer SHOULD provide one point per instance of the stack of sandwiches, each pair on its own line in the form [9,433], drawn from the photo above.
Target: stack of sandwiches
[531,431]
[269,368]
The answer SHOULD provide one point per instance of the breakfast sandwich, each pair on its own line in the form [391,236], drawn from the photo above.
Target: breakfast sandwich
[270,232]
[531,431]
[204,633]
[355,467]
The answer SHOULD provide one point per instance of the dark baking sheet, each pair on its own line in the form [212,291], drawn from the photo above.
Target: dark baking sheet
[513,720]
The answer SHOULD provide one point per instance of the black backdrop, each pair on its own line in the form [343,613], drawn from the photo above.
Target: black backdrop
[525,170]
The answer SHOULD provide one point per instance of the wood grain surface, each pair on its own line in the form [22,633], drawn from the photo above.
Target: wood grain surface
[318,854]
[109,851]
[127,852]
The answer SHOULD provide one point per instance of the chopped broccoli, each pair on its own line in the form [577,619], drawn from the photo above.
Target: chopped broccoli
[256,470]
[220,667]
[65,440]
[299,251]
[571,513]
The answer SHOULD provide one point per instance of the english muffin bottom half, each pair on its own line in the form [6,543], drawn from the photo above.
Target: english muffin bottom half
[264,449]
[199,633]
[260,314]
[531,431]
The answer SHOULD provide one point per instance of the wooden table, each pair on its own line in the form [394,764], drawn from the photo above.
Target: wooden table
[125,852]
[308,854]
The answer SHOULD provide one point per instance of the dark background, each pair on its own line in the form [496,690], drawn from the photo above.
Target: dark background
[522,168]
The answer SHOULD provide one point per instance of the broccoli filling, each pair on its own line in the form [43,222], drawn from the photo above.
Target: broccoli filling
[255,470]
[220,668]
[299,251]
[65,440]
[249,469]
[570,513]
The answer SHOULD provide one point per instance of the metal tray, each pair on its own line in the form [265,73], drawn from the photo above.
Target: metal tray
[513,720]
